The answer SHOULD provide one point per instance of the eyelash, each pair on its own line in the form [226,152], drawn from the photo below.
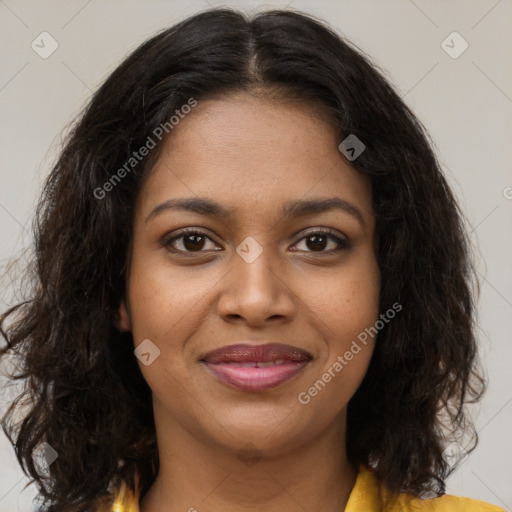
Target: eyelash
[343,243]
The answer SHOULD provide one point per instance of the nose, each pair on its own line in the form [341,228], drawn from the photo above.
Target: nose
[256,291]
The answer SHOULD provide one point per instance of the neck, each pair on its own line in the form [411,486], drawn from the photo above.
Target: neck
[197,477]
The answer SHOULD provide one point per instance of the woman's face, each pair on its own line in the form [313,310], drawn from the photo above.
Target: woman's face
[254,276]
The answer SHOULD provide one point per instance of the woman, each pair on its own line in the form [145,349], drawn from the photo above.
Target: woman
[253,287]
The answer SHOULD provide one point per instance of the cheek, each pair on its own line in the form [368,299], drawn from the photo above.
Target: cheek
[163,299]
[348,301]
[346,308]
[167,306]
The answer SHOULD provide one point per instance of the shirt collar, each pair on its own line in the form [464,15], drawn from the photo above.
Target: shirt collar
[366,495]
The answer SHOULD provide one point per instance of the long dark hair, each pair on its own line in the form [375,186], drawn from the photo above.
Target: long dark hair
[85,393]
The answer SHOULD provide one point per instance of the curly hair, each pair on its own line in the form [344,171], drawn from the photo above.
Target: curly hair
[84,393]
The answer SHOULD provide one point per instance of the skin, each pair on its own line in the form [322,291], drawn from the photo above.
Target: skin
[251,154]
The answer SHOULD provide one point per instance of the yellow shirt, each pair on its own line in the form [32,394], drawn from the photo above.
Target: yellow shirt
[368,495]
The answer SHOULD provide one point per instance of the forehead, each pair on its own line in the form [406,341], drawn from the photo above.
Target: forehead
[253,154]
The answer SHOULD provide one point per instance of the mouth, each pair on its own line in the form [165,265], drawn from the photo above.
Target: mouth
[256,367]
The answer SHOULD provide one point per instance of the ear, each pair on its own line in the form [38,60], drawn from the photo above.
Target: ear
[123,319]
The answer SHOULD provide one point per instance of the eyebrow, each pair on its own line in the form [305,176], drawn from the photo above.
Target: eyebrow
[291,209]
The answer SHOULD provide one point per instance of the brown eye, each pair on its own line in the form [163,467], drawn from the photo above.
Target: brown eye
[189,241]
[317,241]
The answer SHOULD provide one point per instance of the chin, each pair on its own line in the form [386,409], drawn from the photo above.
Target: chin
[274,438]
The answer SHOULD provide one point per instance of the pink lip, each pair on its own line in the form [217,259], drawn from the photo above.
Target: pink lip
[243,366]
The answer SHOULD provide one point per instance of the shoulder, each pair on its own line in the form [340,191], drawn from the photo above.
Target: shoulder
[126,500]
[369,495]
[446,503]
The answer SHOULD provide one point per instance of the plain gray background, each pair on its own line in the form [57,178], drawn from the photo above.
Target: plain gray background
[465,102]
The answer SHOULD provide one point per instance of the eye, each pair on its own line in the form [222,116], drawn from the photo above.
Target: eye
[319,239]
[188,241]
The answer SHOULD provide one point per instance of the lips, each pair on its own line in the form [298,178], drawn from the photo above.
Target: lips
[256,367]
[244,353]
